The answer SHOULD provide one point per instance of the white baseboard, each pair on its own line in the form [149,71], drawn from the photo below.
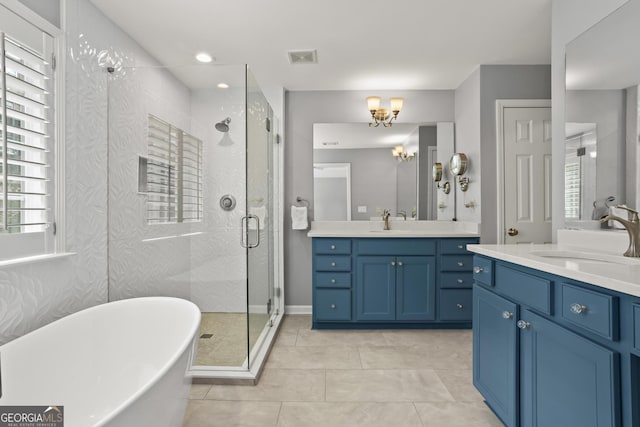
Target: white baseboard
[297,309]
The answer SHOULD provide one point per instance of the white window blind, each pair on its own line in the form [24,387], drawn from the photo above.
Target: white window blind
[26,113]
[174,174]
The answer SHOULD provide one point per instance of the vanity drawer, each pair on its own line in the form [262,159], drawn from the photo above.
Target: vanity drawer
[332,280]
[455,246]
[483,270]
[456,280]
[332,304]
[591,310]
[333,263]
[524,288]
[456,262]
[332,246]
[456,304]
[397,247]
[636,326]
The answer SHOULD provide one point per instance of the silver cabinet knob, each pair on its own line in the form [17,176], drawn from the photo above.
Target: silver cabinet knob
[576,308]
[333,280]
[477,269]
[400,263]
[460,307]
[333,247]
[460,246]
[333,264]
[522,324]
[460,281]
[507,315]
[393,263]
[460,264]
[333,306]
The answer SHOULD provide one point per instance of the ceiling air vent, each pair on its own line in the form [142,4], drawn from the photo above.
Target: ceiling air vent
[303,57]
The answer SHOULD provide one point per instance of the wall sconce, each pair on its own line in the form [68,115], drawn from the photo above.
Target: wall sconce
[437,177]
[458,166]
[401,154]
[380,115]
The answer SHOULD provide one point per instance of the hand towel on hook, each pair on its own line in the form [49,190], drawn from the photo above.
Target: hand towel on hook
[299,219]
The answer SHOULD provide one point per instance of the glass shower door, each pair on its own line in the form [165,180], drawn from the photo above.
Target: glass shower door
[259,224]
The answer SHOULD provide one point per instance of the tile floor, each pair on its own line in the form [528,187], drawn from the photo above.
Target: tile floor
[351,379]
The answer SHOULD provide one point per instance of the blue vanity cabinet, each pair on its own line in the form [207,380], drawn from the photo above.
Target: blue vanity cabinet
[565,379]
[395,288]
[392,282]
[495,346]
[534,362]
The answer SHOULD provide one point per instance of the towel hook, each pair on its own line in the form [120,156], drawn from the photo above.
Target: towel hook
[303,201]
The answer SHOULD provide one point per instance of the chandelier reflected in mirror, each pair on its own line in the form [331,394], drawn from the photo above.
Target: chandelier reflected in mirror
[401,154]
[381,115]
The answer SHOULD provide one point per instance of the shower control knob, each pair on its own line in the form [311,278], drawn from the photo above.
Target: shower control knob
[227,202]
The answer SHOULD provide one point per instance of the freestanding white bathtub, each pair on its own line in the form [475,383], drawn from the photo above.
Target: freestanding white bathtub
[116,364]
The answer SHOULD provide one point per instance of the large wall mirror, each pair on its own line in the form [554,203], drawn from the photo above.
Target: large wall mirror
[388,168]
[601,116]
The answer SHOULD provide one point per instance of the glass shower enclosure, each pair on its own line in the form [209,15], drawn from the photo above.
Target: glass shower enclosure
[194,166]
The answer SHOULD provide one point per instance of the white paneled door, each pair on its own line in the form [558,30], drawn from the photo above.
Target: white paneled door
[527,175]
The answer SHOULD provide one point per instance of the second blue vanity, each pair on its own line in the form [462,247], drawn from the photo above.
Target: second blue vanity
[391,282]
[555,341]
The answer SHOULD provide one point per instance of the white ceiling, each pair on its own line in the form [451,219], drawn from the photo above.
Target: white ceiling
[361,45]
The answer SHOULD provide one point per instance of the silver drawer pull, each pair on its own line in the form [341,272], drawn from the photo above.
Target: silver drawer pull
[460,246]
[393,263]
[460,281]
[460,264]
[477,269]
[333,280]
[578,308]
[333,247]
[400,263]
[460,307]
[522,324]
[507,315]
[333,306]
[333,264]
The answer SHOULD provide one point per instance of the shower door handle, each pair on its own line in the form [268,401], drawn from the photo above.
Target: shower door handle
[244,236]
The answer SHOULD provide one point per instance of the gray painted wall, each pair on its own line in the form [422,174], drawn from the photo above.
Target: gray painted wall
[302,110]
[428,137]
[373,177]
[569,19]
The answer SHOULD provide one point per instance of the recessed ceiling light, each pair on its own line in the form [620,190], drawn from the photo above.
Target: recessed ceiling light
[204,57]
[223,86]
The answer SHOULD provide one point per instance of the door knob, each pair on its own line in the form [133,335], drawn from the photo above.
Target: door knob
[512,232]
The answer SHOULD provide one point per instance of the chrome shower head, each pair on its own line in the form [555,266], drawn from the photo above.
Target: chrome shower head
[223,126]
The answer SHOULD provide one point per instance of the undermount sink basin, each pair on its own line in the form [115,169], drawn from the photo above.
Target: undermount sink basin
[587,256]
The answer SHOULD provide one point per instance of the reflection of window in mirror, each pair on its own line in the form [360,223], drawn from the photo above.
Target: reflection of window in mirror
[332,191]
[580,171]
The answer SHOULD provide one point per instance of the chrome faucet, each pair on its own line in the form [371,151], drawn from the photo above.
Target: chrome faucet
[385,217]
[633,228]
[403,214]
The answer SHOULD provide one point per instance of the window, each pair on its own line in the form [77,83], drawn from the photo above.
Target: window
[174,174]
[27,138]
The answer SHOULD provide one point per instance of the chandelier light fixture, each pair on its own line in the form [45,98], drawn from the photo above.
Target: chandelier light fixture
[401,154]
[381,115]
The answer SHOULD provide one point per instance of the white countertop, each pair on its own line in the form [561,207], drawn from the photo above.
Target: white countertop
[622,275]
[399,228]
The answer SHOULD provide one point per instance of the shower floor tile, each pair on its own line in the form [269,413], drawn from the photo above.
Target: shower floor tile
[223,337]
